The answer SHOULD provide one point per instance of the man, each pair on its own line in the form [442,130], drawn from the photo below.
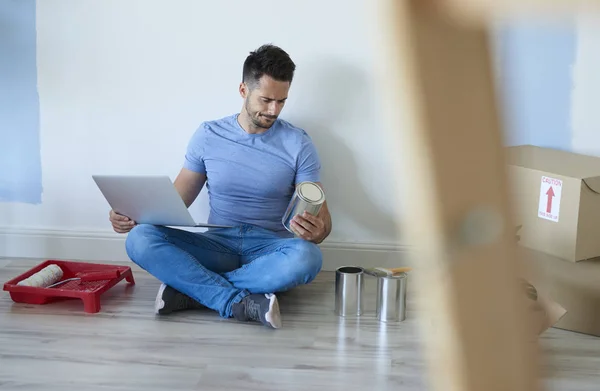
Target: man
[250,163]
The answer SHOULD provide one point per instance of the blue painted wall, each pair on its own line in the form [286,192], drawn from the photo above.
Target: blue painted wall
[536,83]
[20,161]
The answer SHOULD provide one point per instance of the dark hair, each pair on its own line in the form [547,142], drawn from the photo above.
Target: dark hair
[268,60]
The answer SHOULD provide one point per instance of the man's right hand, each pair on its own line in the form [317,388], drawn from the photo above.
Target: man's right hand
[121,224]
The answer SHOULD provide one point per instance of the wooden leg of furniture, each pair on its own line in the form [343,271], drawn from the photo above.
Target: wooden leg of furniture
[457,213]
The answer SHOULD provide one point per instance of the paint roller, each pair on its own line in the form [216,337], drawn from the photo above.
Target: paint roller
[44,278]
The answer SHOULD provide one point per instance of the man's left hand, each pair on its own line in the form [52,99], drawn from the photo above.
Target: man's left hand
[309,227]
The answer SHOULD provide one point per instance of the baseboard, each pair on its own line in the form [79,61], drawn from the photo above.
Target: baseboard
[101,246]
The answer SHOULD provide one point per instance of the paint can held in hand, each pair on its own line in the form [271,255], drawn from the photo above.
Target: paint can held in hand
[308,197]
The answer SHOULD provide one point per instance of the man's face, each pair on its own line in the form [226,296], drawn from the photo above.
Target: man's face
[265,101]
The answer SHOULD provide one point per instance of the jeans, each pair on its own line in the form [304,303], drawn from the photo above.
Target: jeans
[220,267]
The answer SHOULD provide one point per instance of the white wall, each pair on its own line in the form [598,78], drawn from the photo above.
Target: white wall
[124,84]
[586,87]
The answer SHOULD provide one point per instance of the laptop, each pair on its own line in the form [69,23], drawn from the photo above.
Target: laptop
[147,200]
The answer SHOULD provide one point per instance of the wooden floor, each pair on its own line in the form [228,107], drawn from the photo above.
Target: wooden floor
[127,347]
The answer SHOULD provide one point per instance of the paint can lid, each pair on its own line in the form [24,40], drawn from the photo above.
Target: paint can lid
[310,192]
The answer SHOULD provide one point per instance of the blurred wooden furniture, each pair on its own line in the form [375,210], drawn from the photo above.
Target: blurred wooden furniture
[457,212]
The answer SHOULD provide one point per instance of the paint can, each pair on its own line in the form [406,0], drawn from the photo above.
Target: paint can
[349,286]
[391,298]
[308,197]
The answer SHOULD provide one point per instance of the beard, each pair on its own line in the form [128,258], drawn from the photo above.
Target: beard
[259,120]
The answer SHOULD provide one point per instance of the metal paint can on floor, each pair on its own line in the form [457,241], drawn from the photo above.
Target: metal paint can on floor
[349,286]
[308,197]
[391,298]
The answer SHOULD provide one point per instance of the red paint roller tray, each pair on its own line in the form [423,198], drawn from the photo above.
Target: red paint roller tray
[88,291]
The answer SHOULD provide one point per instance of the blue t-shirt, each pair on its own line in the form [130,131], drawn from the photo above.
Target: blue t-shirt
[251,177]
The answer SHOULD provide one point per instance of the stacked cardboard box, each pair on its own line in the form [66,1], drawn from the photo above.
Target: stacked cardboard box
[556,199]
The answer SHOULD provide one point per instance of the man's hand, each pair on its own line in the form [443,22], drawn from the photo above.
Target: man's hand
[309,227]
[121,224]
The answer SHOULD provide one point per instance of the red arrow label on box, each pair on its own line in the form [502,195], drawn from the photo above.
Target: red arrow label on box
[549,200]
[550,194]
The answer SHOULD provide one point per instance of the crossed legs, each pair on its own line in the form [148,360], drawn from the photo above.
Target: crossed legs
[216,269]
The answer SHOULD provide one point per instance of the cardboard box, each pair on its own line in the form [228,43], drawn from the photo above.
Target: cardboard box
[556,199]
[575,286]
